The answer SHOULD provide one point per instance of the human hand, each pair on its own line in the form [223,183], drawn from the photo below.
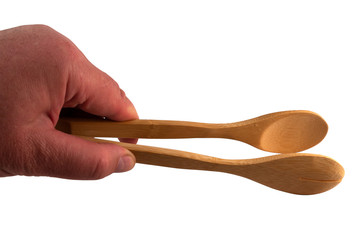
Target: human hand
[41,72]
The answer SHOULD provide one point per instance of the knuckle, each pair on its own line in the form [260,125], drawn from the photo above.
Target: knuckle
[52,48]
[122,94]
[42,27]
[56,44]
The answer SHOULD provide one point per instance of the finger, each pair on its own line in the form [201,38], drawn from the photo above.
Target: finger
[67,156]
[128,140]
[97,93]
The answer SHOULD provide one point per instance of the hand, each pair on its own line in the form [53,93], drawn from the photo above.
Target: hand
[41,72]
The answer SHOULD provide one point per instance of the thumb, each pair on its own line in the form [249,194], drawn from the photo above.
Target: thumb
[68,156]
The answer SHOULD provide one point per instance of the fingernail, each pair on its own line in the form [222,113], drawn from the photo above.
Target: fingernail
[125,163]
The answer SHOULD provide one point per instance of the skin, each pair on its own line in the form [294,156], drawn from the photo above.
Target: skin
[41,72]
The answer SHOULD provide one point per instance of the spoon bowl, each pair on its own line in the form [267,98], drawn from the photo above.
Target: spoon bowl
[297,173]
[293,133]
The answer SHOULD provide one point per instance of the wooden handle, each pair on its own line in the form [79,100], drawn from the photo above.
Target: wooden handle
[138,128]
[297,173]
[171,158]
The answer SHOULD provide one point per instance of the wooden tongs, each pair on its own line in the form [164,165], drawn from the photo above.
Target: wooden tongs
[285,132]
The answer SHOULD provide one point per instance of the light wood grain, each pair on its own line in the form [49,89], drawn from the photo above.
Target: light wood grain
[281,132]
[297,173]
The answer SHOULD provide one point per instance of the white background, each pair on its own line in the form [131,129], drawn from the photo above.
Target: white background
[206,61]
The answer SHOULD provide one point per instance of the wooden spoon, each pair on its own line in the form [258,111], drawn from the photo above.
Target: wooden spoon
[297,173]
[281,132]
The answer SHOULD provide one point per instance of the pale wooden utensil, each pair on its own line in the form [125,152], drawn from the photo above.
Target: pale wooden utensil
[281,132]
[297,173]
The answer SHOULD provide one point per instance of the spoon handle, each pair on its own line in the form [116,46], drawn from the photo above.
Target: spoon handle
[169,157]
[138,128]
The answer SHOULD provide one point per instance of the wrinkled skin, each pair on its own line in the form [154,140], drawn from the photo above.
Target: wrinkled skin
[41,72]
